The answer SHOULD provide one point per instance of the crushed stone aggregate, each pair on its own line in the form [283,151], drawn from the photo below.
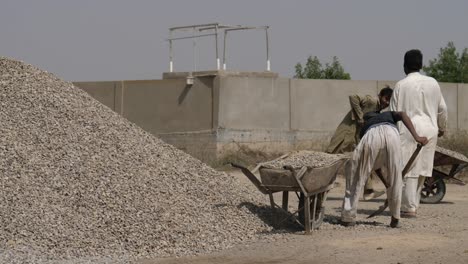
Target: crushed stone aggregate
[81,184]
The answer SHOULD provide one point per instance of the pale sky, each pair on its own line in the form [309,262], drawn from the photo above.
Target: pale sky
[88,40]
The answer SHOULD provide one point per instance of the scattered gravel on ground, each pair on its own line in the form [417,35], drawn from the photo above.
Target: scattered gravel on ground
[81,184]
[299,159]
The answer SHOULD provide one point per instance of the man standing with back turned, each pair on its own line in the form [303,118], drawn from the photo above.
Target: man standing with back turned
[420,97]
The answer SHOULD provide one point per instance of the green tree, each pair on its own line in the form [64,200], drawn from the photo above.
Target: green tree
[335,71]
[313,69]
[299,71]
[449,66]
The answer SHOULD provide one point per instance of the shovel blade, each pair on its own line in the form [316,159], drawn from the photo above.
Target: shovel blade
[379,211]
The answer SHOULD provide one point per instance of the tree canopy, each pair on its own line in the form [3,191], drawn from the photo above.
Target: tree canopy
[313,69]
[449,66]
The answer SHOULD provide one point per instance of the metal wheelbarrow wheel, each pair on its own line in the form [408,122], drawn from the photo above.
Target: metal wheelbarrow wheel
[433,190]
[319,211]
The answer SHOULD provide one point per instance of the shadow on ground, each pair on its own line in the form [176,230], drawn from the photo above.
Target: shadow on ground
[286,223]
[276,218]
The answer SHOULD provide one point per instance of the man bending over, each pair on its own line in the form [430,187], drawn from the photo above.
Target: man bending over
[379,148]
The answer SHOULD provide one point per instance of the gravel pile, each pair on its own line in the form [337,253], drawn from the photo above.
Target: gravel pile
[79,182]
[303,158]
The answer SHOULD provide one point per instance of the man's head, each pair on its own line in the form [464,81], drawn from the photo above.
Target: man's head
[384,96]
[413,61]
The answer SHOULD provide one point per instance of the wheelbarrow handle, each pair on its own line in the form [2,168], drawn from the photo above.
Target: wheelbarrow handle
[251,177]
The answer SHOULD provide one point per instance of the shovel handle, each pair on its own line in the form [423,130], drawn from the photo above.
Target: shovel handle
[405,170]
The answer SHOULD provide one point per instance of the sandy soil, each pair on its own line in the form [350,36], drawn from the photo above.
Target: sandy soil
[438,235]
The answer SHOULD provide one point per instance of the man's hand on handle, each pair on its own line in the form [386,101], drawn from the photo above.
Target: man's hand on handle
[422,140]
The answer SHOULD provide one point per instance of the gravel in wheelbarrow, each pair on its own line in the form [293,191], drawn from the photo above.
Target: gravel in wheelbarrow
[299,159]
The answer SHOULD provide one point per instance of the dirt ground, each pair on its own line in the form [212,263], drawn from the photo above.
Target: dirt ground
[438,235]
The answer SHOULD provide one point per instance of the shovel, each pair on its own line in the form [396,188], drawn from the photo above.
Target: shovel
[405,170]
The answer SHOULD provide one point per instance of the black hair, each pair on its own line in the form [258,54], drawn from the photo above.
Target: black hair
[413,60]
[387,91]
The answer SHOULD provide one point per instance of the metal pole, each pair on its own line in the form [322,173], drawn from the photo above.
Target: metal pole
[193,50]
[194,26]
[170,57]
[216,44]
[224,51]
[171,65]
[193,36]
[268,49]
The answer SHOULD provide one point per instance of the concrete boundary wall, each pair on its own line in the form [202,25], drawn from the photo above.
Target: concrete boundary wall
[164,106]
[254,103]
[104,92]
[450,94]
[319,105]
[462,106]
[218,113]
[159,106]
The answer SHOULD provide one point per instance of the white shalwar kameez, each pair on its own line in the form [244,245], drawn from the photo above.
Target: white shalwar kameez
[420,97]
[379,148]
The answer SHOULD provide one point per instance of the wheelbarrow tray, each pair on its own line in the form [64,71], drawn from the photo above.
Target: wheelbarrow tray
[313,180]
[443,156]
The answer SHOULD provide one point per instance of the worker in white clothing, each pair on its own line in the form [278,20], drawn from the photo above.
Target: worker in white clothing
[420,97]
[379,148]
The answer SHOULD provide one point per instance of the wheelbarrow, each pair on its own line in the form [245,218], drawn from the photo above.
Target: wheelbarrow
[434,188]
[310,184]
